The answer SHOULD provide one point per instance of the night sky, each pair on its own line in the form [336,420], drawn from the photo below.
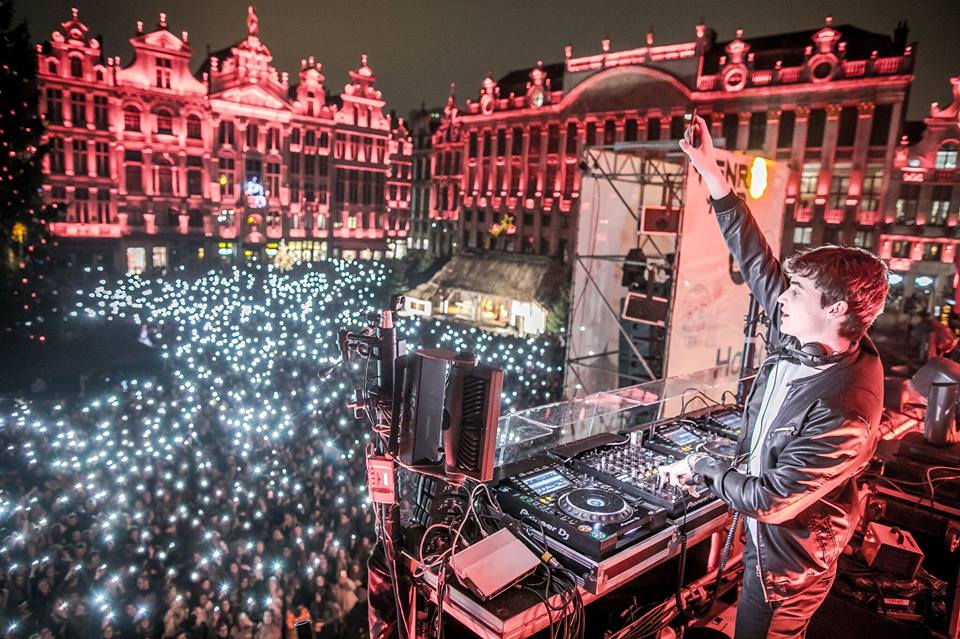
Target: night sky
[417,48]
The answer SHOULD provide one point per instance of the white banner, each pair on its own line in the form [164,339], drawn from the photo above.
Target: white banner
[710,297]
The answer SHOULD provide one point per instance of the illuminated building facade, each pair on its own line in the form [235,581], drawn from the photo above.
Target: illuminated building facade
[828,101]
[151,165]
[919,235]
[426,233]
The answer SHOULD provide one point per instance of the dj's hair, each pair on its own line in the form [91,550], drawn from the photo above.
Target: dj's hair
[853,275]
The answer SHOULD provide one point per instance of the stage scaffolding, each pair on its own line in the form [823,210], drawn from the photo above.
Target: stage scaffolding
[620,184]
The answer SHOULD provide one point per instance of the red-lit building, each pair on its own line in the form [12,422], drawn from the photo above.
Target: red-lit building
[919,237]
[151,165]
[828,101]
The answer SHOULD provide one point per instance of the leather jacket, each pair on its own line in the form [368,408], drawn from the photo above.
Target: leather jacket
[805,499]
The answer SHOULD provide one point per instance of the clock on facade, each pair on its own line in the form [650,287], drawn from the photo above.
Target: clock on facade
[537,98]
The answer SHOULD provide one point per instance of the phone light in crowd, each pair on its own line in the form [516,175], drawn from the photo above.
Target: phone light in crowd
[758,178]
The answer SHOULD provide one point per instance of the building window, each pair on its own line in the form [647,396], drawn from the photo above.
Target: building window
[100,118]
[802,235]
[536,144]
[164,174]
[103,206]
[131,118]
[254,169]
[133,171]
[54,106]
[136,259]
[517,143]
[863,239]
[252,135]
[225,133]
[815,127]
[273,179]
[653,128]
[80,163]
[931,252]
[839,187]
[194,176]
[102,152]
[758,130]
[194,127]
[808,183]
[164,71]
[501,142]
[273,139]
[940,204]
[81,205]
[78,109]
[847,129]
[295,136]
[591,135]
[472,145]
[880,127]
[57,156]
[159,257]
[788,121]
[553,138]
[832,236]
[731,127]
[164,122]
[630,133]
[609,132]
[870,195]
[677,126]
[906,209]
[310,139]
[900,248]
[946,156]
[76,67]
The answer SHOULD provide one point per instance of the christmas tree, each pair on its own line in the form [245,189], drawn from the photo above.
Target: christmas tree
[24,246]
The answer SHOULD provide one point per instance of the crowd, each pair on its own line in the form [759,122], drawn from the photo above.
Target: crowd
[226,497]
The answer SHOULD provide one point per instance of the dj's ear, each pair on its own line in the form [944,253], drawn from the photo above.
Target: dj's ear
[839,309]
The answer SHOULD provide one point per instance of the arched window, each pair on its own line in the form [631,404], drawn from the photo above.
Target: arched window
[947,156]
[131,118]
[52,67]
[76,67]
[164,121]
[194,127]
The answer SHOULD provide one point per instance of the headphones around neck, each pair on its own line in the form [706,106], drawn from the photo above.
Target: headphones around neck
[811,354]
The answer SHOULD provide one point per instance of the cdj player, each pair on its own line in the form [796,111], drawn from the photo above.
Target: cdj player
[632,470]
[578,509]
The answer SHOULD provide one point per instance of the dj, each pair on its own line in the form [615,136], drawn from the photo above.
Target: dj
[810,424]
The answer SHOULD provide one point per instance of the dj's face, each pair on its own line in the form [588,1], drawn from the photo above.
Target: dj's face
[803,315]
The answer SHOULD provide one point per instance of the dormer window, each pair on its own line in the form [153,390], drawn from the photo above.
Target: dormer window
[76,67]
[164,71]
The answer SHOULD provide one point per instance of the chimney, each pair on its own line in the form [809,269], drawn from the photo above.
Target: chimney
[900,36]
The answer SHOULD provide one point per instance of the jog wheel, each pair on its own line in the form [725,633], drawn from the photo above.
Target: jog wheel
[720,449]
[595,505]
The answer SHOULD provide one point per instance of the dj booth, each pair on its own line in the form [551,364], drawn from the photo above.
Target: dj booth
[580,478]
